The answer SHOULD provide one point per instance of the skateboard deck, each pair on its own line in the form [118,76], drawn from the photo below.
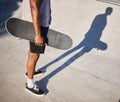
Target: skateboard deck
[25,30]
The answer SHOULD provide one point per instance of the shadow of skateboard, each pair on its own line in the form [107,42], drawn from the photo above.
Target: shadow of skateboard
[25,30]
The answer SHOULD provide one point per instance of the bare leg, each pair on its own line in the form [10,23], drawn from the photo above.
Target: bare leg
[31,63]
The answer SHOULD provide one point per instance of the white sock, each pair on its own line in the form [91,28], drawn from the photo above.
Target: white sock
[30,83]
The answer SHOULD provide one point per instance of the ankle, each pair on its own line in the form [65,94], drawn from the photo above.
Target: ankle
[30,83]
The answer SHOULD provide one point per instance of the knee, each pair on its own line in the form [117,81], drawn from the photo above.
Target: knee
[33,56]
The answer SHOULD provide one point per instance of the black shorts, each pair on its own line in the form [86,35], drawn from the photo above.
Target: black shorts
[40,49]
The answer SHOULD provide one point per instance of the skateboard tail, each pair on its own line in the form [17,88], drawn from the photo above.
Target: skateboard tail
[63,41]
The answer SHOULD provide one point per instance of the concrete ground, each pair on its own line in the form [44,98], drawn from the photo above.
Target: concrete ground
[88,72]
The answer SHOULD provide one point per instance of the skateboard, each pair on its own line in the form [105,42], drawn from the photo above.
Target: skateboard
[25,30]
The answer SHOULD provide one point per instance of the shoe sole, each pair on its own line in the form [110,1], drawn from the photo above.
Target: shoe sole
[41,95]
[34,74]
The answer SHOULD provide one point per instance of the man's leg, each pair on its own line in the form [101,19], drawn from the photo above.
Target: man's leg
[31,63]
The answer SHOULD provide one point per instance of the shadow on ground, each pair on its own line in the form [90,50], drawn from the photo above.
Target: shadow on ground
[7,7]
[90,41]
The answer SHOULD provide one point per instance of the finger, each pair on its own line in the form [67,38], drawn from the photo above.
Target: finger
[38,44]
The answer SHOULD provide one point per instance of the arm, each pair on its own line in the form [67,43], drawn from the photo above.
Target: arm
[35,13]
